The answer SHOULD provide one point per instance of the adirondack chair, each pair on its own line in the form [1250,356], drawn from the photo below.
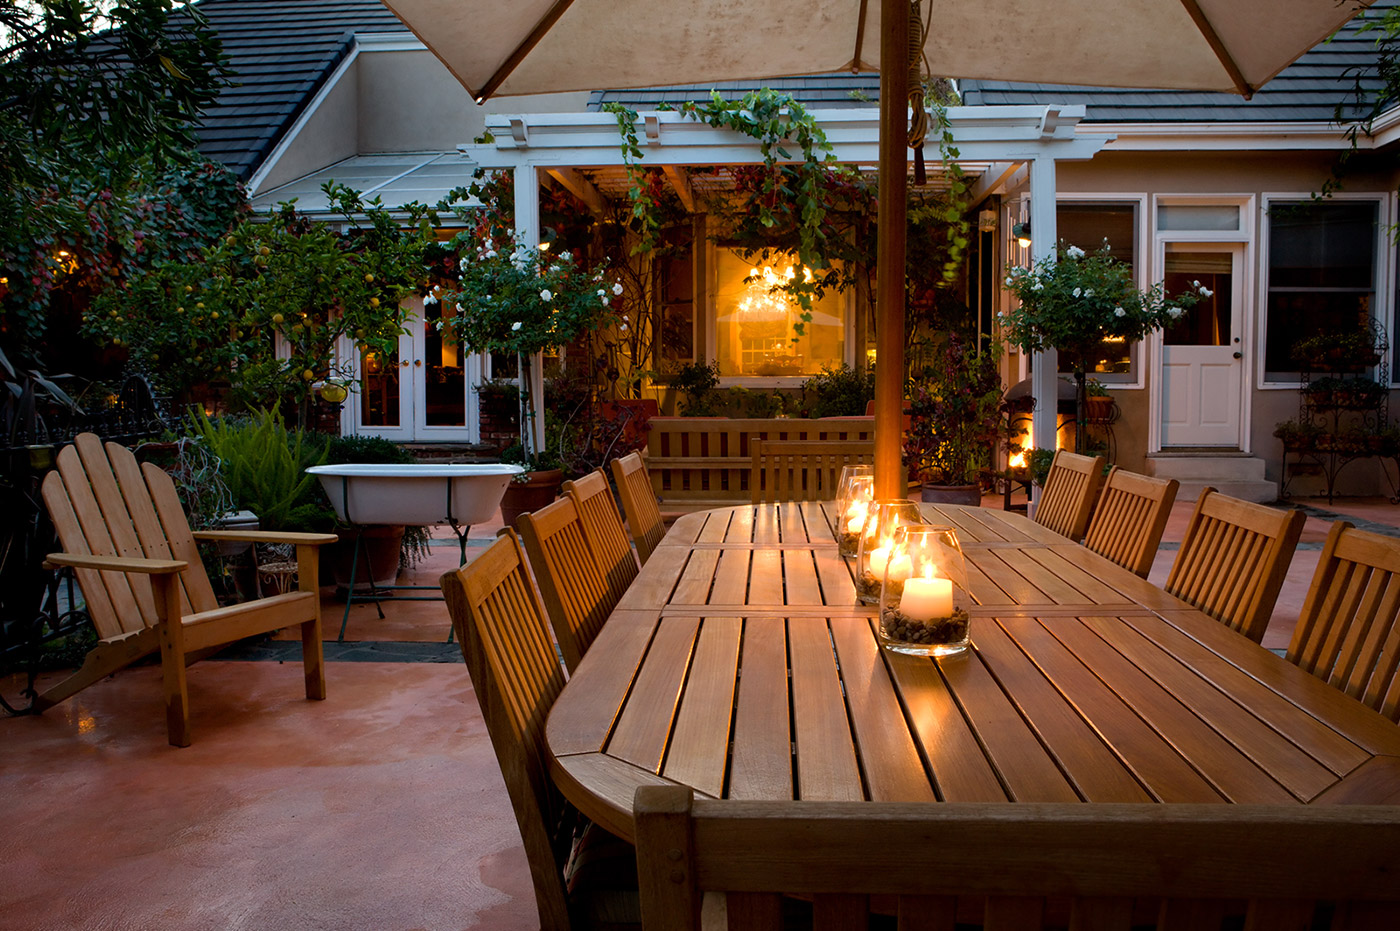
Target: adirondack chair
[127,539]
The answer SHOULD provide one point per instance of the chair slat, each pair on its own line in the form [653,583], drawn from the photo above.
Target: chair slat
[1130,518]
[1071,488]
[1348,633]
[576,596]
[1233,559]
[639,502]
[602,525]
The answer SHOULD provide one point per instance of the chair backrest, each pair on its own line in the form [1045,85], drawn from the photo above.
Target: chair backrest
[937,863]
[499,622]
[1233,560]
[576,595]
[639,503]
[1349,631]
[602,526]
[802,470]
[1071,488]
[105,504]
[1129,519]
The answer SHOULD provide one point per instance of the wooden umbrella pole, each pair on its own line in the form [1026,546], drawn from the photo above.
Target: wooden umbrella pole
[889,263]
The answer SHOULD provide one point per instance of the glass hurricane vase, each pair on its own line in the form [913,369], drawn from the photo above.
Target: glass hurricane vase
[877,549]
[923,598]
[855,497]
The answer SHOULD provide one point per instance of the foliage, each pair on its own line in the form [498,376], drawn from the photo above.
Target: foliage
[1095,388]
[96,151]
[284,276]
[1072,301]
[1374,92]
[694,381]
[842,392]
[198,476]
[1349,349]
[264,465]
[956,415]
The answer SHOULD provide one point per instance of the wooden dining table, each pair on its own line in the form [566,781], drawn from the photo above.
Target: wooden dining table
[740,663]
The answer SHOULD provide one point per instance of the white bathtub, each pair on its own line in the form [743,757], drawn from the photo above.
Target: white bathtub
[422,493]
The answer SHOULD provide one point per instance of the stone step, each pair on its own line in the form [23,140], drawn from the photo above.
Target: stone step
[1238,475]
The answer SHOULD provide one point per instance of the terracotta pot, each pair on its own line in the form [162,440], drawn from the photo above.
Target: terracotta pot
[952,494]
[524,497]
[379,548]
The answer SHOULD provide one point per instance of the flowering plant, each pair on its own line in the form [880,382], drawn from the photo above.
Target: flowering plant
[511,298]
[956,415]
[1073,301]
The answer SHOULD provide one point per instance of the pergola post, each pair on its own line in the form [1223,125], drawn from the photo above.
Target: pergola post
[889,265]
[1045,382]
[527,231]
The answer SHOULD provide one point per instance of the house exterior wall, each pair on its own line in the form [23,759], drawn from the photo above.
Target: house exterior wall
[1233,175]
[328,135]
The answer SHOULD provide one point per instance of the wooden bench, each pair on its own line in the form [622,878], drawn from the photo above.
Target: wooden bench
[704,462]
[1016,865]
[802,470]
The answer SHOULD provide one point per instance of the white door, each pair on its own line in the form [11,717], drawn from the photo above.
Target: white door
[1202,353]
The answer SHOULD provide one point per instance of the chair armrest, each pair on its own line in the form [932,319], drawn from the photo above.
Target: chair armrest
[116,563]
[265,536]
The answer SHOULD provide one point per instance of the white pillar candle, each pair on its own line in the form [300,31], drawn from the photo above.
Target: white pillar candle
[901,567]
[855,517]
[876,560]
[924,599]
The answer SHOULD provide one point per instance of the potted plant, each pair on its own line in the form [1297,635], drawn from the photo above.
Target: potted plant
[517,299]
[956,420]
[1098,403]
[1072,301]
[1349,351]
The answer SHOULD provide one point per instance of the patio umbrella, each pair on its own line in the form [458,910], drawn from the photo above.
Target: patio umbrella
[497,48]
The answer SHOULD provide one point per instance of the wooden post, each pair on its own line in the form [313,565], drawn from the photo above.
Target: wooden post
[889,265]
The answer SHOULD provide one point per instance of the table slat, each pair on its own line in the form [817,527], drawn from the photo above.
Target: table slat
[583,723]
[800,578]
[826,758]
[644,727]
[760,765]
[699,746]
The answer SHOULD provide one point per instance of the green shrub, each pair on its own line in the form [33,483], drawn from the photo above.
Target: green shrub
[264,465]
[842,392]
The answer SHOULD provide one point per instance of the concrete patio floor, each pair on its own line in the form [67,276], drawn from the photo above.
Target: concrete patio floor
[380,808]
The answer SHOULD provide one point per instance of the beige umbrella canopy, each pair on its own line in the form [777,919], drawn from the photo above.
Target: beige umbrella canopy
[514,47]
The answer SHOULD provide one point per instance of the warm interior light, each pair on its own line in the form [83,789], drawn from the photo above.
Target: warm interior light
[1017,460]
[1022,232]
[544,246]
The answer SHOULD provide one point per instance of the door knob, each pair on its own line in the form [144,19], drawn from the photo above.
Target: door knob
[1239,355]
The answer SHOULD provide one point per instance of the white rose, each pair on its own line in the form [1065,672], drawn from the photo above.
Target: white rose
[1089,293]
[1074,252]
[1119,312]
[547,295]
[1037,286]
[1195,284]
[1076,292]
[566,256]
[623,328]
[1174,312]
[1206,292]
[429,299]
[617,288]
[605,302]
[515,326]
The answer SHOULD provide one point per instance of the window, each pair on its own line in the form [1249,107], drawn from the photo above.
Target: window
[1087,226]
[676,328]
[756,328]
[1322,275]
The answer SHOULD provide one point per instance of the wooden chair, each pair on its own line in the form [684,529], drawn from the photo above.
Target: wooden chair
[1015,866]
[1071,488]
[802,470]
[639,503]
[1233,560]
[1128,522]
[1349,631]
[126,537]
[499,622]
[602,526]
[576,594]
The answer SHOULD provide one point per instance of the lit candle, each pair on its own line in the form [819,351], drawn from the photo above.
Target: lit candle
[900,567]
[877,559]
[927,598]
[855,517]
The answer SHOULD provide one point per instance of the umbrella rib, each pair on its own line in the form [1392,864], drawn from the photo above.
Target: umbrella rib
[1193,9]
[523,49]
[860,38]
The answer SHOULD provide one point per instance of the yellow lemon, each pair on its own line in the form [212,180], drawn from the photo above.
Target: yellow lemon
[369,279]
[374,302]
[278,318]
[307,375]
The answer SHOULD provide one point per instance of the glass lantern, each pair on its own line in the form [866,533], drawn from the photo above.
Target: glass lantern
[924,599]
[855,497]
[877,544]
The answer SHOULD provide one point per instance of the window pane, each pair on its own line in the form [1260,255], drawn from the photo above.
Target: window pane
[1329,245]
[1207,322]
[444,376]
[1321,275]
[676,329]
[755,327]
[1087,226]
[379,390]
[1198,217]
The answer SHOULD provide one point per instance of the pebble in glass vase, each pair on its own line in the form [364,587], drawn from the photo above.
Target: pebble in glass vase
[853,506]
[925,612]
[878,552]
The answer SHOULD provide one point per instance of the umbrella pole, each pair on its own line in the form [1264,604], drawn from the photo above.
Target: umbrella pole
[889,263]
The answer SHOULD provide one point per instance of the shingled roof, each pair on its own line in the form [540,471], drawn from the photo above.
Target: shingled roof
[1306,91]
[281,51]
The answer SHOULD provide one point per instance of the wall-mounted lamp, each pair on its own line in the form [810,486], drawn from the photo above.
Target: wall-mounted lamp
[1022,232]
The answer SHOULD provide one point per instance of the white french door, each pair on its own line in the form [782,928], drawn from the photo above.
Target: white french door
[421,393]
[1203,366]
